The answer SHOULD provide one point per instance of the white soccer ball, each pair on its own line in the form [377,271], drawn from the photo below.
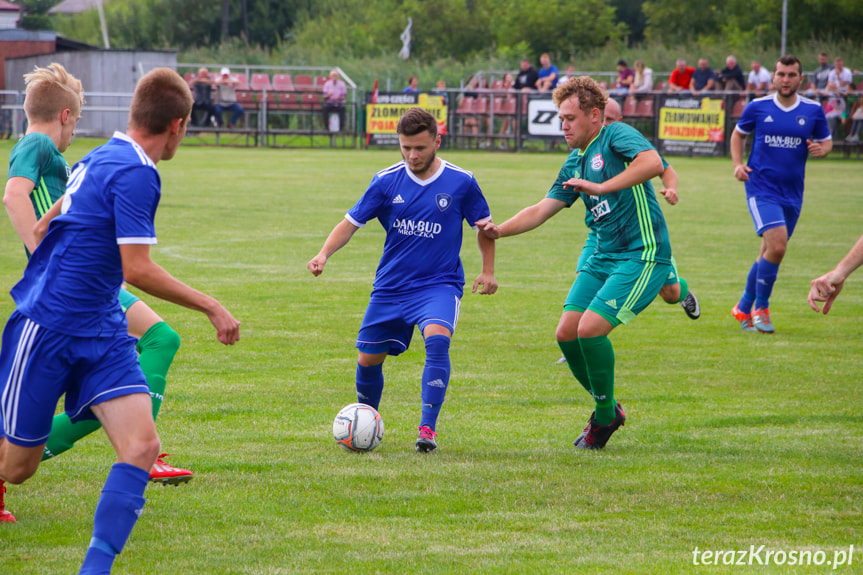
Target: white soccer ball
[358,427]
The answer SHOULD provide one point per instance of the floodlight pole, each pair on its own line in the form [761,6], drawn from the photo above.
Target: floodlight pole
[104,24]
[784,23]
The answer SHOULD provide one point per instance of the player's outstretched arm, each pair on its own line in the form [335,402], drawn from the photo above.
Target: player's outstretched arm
[527,219]
[486,278]
[338,238]
[20,209]
[145,274]
[669,185]
[645,166]
[827,287]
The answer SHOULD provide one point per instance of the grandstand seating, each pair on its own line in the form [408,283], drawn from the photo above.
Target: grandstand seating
[630,106]
[260,82]
[644,108]
[304,82]
[737,109]
[283,83]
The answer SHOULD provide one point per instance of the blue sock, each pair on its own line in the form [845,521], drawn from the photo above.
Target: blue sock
[120,504]
[745,304]
[767,272]
[435,378]
[370,384]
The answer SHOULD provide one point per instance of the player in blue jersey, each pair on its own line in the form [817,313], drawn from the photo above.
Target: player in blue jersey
[786,129]
[421,202]
[69,335]
[610,170]
[37,179]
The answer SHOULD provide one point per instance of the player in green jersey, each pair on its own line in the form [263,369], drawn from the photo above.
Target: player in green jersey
[36,180]
[610,170]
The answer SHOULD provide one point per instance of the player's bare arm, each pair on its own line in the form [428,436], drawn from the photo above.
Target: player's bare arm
[20,209]
[741,170]
[527,219]
[338,238]
[669,185]
[819,149]
[486,278]
[145,274]
[827,287]
[41,227]
[645,166]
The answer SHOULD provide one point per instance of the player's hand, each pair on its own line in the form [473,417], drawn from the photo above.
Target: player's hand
[670,195]
[816,150]
[488,229]
[227,327]
[316,265]
[825,289]
[488,283]
[742,172]
[580,185]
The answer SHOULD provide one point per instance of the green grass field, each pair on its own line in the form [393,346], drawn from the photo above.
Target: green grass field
[732,439]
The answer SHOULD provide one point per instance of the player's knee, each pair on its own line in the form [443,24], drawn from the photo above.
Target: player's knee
[170,339]
[20,472]
[371,359]
[670,293]
[141,452]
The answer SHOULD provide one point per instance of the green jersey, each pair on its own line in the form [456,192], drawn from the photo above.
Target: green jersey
[628,223]
[36,158]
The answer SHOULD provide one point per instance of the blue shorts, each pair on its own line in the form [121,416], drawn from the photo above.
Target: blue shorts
[389,324]
[39,365]
[767,213]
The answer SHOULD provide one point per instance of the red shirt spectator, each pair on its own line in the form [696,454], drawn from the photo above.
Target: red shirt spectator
[680,77]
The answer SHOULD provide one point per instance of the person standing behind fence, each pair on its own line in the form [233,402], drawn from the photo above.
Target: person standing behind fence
[226,98]
[335,93]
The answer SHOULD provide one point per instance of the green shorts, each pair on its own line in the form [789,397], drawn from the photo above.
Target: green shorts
[672,277]
[126,299]
[618,290]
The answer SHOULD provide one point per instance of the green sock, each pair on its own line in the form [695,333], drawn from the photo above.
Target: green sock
[575,360]
[157,349]
[599,357]
[684,289]
[64,434]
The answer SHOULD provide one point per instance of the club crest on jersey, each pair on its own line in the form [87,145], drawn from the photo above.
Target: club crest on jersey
[443,201]
[801,120]
[596,162]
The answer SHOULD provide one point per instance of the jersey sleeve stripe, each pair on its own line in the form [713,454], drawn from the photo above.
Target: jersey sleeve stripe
[353,221]
[136,241]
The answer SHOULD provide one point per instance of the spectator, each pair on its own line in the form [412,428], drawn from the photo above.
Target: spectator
[642,81]
[202,91]
[547,75]
[759,79]
[413,85]
[834,109]
[702,78]
[821,76]
[226,98]
[625,79]
[505,121]
[527,76]
[440,90]
[335,93]
[570,74]
[680,77]
[839,79]
[856,121]
[730,78]
[476,85]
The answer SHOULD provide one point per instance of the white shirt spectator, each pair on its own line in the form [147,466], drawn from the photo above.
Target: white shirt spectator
[842,79]
[760,79]
[646,84]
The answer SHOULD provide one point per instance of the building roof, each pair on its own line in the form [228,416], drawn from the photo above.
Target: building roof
[8,6]
[74,6]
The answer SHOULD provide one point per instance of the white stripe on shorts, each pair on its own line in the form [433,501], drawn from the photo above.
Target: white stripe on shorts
[753,209]
[12,393]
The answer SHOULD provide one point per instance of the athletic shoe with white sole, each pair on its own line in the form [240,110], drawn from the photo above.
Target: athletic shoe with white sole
[167,474]
[745,319]
[690,306]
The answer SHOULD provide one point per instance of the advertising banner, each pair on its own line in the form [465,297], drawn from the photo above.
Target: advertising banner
[691,125]
[382,117]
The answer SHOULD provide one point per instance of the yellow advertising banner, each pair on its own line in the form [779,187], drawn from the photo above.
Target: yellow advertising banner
[382,118]
[704,124]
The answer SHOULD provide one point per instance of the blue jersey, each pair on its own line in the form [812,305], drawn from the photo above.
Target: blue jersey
[779,150]
[423,224]
[71,283]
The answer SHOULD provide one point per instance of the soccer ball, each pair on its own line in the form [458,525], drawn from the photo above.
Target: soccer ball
[358,427]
